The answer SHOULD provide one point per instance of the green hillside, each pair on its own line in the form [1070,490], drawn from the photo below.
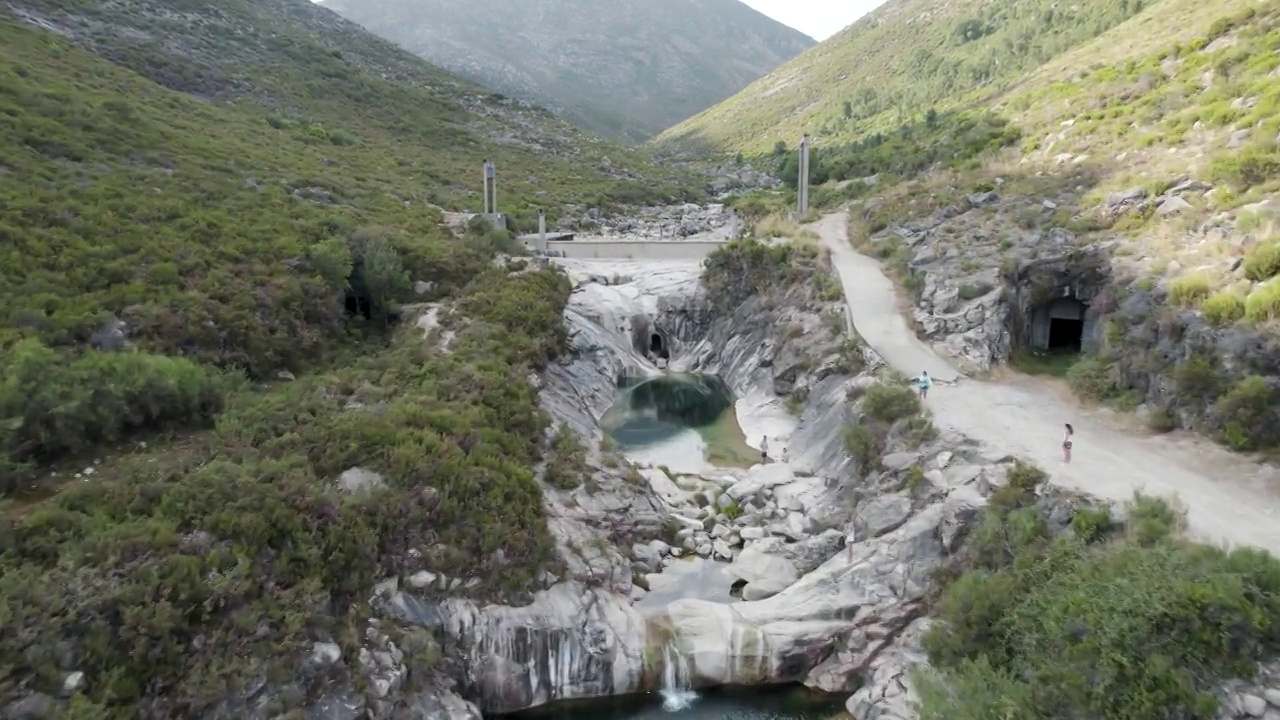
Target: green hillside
[911,56]
[192,196]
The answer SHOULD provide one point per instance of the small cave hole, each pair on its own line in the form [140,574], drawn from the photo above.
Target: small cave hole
[658,346]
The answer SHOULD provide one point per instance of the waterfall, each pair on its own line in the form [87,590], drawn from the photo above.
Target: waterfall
[676,693]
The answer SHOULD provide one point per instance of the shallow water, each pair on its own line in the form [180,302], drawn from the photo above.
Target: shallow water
[693,577]
[778,703]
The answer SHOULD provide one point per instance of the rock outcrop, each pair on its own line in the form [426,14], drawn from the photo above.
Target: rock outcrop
[815,609]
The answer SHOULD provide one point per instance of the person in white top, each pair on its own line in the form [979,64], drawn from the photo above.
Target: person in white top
[1066,445]
[850,539]
[764,449]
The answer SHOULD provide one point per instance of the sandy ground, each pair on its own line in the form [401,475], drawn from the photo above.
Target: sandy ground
[1229,499]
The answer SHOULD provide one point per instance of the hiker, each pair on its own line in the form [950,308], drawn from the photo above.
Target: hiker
[924,382]
[764,449]
[850,539]
[1066,445]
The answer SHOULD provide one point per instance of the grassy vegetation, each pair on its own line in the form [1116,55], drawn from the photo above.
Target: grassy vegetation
[223,200]
[1113,620]
[896,65]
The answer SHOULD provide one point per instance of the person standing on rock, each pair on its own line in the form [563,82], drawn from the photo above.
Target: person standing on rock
[764,449]
[924,382]
[1066,445]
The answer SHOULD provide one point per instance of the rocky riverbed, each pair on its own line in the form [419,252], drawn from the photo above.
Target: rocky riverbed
[815,609]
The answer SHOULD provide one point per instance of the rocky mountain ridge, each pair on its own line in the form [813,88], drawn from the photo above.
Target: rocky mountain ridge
[625,69]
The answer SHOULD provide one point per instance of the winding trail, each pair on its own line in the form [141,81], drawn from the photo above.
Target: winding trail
[1229,499]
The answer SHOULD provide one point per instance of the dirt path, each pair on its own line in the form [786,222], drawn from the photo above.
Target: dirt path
[1228,498]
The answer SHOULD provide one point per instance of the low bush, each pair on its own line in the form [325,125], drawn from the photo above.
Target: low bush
[1223,308]
[891,403]
[1247,416]
[1262,262]
[1092,378]
[53,405]
[1263,304]
[1134,625]
[1189,291]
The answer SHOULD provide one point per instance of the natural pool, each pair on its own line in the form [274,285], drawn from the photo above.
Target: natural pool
[728,703]
[682,420]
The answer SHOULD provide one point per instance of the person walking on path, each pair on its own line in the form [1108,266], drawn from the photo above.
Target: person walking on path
[1066,445]
[924,382]
[764,449]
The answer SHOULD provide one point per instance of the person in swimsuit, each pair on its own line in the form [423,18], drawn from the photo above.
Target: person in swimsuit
[1066,444]
[924,382]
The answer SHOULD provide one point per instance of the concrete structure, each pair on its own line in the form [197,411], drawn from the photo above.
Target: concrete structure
[802,180]
[1061,323]
[490,188]
[499,221]
[540,241]
[634,249]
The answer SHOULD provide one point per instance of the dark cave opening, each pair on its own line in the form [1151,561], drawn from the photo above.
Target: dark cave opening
[1065,335]
[658,346]
[359,304]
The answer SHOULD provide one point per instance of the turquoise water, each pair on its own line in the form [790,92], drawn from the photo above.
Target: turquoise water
[655,411]
[779,703]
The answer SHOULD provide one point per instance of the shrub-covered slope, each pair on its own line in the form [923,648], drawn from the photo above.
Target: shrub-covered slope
[190,193]
[901,59]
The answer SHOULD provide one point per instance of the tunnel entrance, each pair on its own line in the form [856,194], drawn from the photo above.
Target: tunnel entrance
[359,305]
[1059,325]
[1065,335]
[658,346]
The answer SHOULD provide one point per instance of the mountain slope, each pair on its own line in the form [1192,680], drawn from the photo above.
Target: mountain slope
[214,437]
[902,58]
[626,68]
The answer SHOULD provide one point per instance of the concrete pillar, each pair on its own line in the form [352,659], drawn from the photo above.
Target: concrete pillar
[802,184]
[490,188]
[484,179]
[542,230]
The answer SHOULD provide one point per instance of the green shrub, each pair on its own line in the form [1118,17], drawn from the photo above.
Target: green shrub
[864,444]
[1190,290]
[1092,524]
[890,403]
[1263,304]
[1262,262]
[1138,628]
[1198,379]
[1223,308]
[1248,415]
[1092,378]
[973,291]
[52,405]
[566,467]
[743,268]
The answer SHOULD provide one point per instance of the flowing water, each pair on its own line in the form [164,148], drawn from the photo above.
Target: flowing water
[685,421]
[677,694]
